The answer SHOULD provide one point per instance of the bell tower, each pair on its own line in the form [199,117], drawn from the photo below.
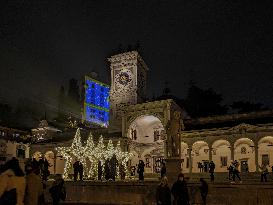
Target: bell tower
[128,82]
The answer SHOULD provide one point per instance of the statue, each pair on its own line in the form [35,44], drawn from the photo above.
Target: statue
[174,127]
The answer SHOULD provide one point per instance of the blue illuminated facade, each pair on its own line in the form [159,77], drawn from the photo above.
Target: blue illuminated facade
[96,104]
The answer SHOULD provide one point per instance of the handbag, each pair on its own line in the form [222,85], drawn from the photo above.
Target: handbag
[9,197]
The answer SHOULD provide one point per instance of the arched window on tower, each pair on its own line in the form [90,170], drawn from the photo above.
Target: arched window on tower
[156,135]
[243,150]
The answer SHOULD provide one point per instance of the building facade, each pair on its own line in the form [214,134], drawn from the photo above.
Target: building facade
[156,131]
[14,143]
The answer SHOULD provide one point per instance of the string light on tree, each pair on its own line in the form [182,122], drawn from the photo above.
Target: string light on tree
[75,151]
[94,154]
[89,151]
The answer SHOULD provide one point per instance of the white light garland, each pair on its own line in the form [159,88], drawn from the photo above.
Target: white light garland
[90,155]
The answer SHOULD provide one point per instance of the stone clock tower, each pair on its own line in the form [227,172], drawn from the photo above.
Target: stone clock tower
[128,82]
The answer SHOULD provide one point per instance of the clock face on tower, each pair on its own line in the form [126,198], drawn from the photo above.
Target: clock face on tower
[124,78]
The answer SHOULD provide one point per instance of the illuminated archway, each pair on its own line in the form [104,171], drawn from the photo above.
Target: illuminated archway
[244,152]
[265,152]
[184,157]
[221,155]
[147,141]
[200,154]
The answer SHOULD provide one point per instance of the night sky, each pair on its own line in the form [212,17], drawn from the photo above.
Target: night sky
[225,45]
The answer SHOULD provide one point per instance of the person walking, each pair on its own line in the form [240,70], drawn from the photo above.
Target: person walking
[180,191]
[163,170]
[57,191]
[12,184]
[140,170]
[230,171]
[80,170]
[235,171]
[200,167]
[204,190]
[107,170]
[211,170]
[264,172]
[113,166]
[163,192]
[76,169]
[34,186]
[99,170]
[205,166]
[272,170]
[44,165]
[122,171]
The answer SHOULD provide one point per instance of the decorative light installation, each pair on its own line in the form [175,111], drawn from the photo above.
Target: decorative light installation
[93,154]
[75,151]
[110,150]
[123,158]
[96,103]
[89,151]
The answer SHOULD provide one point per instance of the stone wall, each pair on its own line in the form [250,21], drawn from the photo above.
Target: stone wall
[135,193]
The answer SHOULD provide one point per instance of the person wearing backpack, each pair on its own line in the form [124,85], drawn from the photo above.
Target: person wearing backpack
[12,184]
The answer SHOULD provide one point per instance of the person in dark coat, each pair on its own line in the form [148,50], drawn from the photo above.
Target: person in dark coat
[235,171]
[140,170]
[180,191]
[211,170]
[163,192]
[230,170]
[133,171]
[99,170]
[204,190]
[113,167]
[76,170]
[122,171]
[57,191]
[107,169]
[44,165]
[163,170]
[80,170]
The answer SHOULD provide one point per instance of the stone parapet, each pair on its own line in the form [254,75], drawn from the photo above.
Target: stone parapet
[135,193]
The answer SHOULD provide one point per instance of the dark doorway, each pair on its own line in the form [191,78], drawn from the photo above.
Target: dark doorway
[244,166]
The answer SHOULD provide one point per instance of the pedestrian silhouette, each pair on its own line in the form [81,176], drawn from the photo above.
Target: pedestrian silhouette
[163,192]
[204,190]
[180,191]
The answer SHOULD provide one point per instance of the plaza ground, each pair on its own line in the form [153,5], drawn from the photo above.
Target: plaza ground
[221,192]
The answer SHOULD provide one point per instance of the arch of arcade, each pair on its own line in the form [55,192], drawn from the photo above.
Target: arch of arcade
[251,145]
[149,127]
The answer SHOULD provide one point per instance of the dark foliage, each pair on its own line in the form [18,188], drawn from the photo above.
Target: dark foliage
[244,107]
[201,103]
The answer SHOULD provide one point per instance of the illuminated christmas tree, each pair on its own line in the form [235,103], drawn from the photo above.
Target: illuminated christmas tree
[93,153]
[75,151]
[110,150]
[90,153]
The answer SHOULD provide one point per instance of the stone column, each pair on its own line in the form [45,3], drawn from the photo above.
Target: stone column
[232,151]
[210,153]
[256,156]
[55,157]
[190,160]
[173,167]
